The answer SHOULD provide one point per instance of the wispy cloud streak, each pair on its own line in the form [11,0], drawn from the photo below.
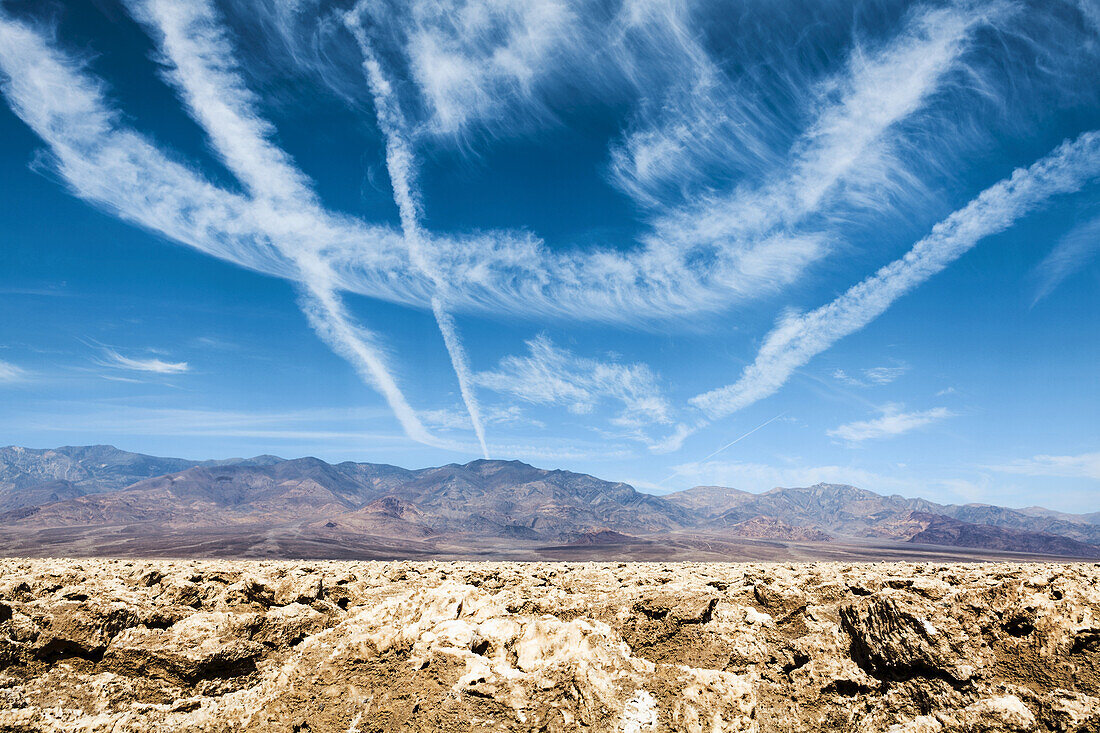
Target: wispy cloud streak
[116,168]
[1072,252]
[799,337]
[874,376]
[476,61]
[843,151]
[10,373]
[695,122]
[725,447]
[1084,465]
[328,317]
[460,362]
[549,375]
[114,359]
[449,419]
[401,164]
[893,422]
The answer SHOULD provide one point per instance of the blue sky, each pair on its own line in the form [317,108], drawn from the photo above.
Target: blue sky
[665,242]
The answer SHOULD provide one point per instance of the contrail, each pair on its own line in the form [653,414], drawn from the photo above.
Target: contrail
[400,164]
[461,366]
[737,440]
[200,59]
[798,338]
[727,445]
[326,314]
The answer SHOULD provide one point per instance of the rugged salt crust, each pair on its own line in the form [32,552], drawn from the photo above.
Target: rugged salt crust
[111,645]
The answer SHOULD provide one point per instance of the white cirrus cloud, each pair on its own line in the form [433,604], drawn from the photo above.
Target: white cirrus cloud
[757,477]
[893,422]
[10,373]
[282,230]
[401,164]
[1083,465]
[474,61]
[549,375]
[1072,252]
[844,152]
[872,376]
[451,419]
[111,358]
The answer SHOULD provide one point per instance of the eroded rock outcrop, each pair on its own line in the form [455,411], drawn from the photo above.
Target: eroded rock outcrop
[102,645]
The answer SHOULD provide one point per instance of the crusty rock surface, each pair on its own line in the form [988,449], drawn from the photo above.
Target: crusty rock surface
[121,645]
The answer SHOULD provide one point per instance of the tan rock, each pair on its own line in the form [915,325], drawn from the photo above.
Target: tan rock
[202,646]
[897,637]
[121,646]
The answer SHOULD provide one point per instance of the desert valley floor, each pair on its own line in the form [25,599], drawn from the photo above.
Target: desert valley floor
[219,645]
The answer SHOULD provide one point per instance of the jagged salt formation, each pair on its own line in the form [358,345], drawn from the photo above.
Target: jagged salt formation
[109,645]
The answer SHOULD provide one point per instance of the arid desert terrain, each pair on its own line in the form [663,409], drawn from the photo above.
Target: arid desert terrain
[221,645]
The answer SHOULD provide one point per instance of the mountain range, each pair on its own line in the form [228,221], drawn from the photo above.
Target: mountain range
[99,500]
[32,476]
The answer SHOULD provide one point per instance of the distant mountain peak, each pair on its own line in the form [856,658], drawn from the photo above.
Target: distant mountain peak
[489,466]
[726,489]
[393,506]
